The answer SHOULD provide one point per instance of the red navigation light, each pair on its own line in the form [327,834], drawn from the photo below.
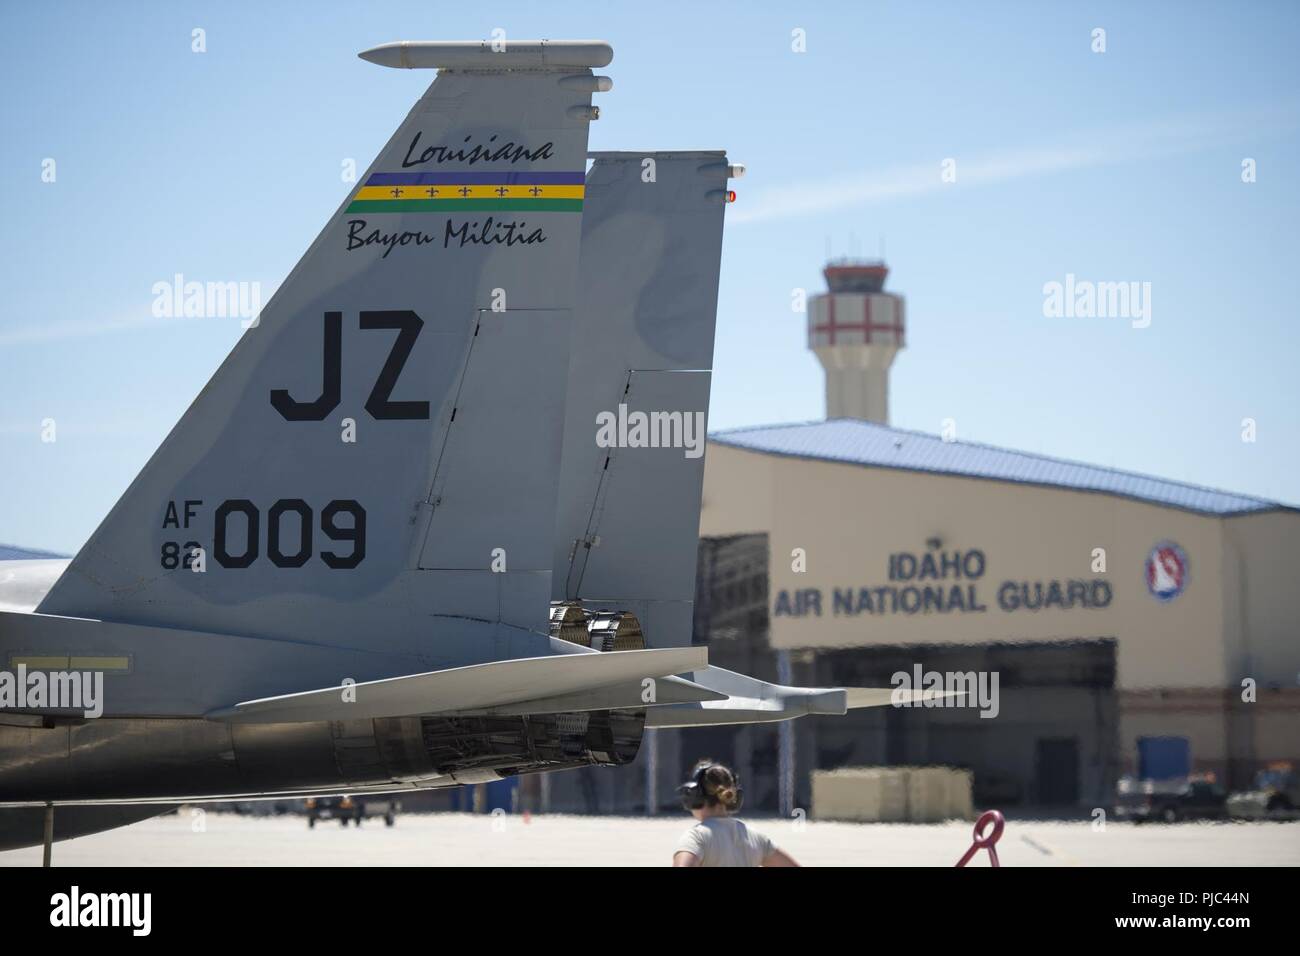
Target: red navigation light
[731,195]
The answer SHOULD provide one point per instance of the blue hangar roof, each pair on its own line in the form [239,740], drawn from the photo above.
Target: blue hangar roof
[857,442]
[10,552]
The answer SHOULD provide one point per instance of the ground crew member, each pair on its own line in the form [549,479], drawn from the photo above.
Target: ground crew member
[712,795]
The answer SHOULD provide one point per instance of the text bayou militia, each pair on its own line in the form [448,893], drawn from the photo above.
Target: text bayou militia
[489,232]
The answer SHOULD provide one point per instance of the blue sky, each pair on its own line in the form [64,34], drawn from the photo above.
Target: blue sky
[1115,166]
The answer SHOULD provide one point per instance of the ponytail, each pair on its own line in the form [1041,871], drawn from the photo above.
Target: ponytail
[720,786]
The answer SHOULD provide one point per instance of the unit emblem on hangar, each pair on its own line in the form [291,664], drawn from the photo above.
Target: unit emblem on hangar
[1166,571]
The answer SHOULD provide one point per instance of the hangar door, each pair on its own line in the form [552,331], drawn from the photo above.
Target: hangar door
[1057,770]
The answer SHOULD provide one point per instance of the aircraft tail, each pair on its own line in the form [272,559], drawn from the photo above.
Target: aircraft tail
[627,525]
[383,446]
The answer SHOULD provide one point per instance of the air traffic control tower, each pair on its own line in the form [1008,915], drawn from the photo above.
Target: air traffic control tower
[856,329]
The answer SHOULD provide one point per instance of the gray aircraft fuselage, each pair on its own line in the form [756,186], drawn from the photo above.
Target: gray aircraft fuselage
[142,757]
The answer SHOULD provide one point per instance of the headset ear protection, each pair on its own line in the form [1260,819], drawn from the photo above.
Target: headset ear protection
[692,792]
[695,796]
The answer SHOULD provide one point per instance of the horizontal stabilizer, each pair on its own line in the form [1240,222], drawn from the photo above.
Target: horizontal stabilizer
[883,696]
[752,701]
[476,687]
[627,696]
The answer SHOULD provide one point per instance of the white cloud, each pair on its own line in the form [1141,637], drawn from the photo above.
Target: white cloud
[75,329]
[65,329]
[1121,144]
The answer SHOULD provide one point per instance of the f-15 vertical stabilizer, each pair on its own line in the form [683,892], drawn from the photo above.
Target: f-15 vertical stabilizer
[383,446]
[627,527]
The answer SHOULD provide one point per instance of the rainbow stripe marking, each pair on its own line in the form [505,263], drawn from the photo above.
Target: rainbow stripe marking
[470,191]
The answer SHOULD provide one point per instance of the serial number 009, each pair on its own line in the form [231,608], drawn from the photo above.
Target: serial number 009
[284,550]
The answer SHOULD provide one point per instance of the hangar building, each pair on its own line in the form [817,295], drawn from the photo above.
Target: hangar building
[1132,623]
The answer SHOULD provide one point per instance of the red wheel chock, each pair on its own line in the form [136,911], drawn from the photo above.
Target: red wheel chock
[992,822]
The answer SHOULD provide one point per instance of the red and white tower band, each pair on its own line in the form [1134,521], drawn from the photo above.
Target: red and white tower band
[856,329]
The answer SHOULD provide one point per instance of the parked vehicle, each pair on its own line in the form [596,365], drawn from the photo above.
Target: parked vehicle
[345,808]
[1275,795]
[1169,801]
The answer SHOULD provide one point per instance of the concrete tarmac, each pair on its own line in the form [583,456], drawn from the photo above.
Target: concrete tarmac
[194,838]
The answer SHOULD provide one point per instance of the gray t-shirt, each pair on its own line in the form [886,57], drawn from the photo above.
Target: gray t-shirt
[725,841]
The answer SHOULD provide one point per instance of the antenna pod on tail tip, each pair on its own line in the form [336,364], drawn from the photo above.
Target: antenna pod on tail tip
[487,55]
